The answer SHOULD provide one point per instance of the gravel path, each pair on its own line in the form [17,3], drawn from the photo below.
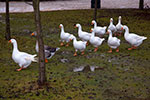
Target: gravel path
[71,4]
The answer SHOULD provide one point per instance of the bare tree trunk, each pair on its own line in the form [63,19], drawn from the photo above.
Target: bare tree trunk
[95,10]
[141,4]
[42,69]
[7,34]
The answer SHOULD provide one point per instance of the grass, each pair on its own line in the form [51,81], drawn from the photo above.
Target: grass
[121,76]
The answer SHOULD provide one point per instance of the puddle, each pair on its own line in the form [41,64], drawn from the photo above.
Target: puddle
[85,68]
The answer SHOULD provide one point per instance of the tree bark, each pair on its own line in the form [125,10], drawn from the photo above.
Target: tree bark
[141,4]
[42,69]
[7,34]
[95,10]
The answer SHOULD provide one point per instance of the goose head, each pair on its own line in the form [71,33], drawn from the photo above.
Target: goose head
[34,33]
[119,18]
[60,26]
[77,25]
[12,41]
[93,22]
[91,30]
[111,20]
[108,31]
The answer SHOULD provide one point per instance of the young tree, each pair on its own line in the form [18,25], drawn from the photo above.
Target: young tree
[7,34]
[141,4]
[95,10]
[42,69]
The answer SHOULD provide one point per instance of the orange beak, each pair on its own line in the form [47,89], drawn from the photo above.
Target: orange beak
[75,26]
[107,32]
[32,34]
[9,41]
[92,23]
[70,40]
[121,28]
[91,30]
[59,26]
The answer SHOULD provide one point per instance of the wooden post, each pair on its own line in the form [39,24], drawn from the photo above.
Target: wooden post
[42,69]
[7,33]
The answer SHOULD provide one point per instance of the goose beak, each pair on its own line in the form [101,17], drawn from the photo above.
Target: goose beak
[32,34]
[121,28]
[9,41]
[92,23]
[59,26]
[75,26]
[91,30]
[107,32]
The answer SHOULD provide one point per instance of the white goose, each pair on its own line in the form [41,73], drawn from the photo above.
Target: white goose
[65,37]
[111,26]
[134,39]
[113,42]
[95,41]
[119,25]
[99,30]
[22,58]
[84,36]
[48,50]
[79,45]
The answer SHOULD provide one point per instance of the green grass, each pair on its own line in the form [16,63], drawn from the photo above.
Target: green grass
[121,76]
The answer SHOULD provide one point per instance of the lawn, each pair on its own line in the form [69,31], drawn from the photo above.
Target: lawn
[119,76]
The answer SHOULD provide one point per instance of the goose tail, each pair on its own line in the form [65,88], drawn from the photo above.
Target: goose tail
[32,58]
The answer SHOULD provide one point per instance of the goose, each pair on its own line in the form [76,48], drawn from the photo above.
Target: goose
[119,26]
[95,41]
[113,42]
[111,26]
[99,30]
[48,50]
[84,36]
[79,45]
[65,37]
[23,59]
[132,38]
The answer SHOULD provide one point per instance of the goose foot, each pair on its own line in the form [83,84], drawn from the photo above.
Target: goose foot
[61,44]
[82,53]
[87,43]
[133,47]
[117,50]
[95,49]
[67,44]
[20,69]
[75,54]
[46,60]
[110,51]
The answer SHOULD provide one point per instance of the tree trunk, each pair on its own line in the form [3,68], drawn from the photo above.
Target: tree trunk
[7,34]
[141,4]
[42,69]
[95,10]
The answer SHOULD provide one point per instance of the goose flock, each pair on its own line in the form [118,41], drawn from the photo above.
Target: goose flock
[95,38]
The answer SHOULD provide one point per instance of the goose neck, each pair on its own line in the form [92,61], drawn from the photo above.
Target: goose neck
[15,47]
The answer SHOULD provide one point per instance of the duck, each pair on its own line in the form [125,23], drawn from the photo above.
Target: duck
[95,41]
[79,45]
[119,26]
[98,30]
[48,50]
[84,36]
[23,59]
[112,27]
[65,37]
[132,38]
[113,42]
